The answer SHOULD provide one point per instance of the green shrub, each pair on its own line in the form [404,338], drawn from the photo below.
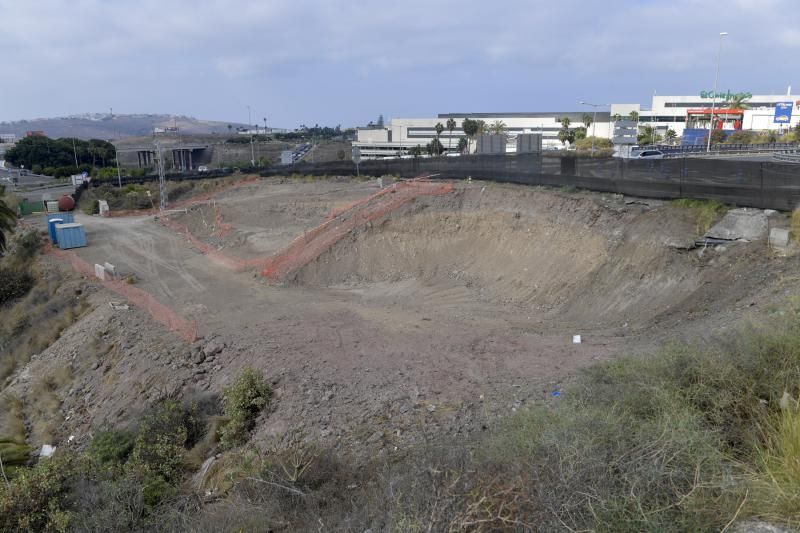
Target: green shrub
[38,499]
[704,212]
[14,283]
[244,400]
[92,207]
[111,446]
[160,444]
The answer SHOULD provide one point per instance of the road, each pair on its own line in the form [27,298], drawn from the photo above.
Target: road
[34,187]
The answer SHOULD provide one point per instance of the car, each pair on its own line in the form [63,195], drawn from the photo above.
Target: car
[649,154]
[202,168]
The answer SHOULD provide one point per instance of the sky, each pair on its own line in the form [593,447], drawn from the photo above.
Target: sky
[345,62]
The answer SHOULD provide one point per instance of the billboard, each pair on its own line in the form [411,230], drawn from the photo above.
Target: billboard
[783,112]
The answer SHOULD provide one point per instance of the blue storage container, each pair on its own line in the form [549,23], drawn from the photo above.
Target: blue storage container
[51,228]
[70,236]
[67,216]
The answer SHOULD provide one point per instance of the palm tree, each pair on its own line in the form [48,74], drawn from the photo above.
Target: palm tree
[634,116]
[451,125]
[737,102]
[8,219]
[498,127]
[439,129]
[565,122]
[481,127]
[587,120]
[616,117]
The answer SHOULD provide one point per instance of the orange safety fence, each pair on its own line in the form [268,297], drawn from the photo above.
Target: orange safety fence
[234,263]
[201,198]
[308,247]
[313,243]
[185,329]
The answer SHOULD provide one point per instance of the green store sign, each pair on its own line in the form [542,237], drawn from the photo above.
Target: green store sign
[725,96]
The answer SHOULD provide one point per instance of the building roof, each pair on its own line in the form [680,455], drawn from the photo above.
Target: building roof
[602,116]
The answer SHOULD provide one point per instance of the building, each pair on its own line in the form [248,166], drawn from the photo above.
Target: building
[403,134]
[764,112]
[679,113]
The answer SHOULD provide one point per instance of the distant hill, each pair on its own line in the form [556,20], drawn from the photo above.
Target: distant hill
[104,126]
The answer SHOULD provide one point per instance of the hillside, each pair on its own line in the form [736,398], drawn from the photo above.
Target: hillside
[106,126]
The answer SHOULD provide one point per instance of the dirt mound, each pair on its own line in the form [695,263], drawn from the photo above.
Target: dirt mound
[560,257]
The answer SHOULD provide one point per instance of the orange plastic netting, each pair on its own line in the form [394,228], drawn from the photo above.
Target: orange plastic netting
[186,329]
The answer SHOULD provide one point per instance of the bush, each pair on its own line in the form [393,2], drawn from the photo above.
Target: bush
[37,499]
[14,284]
[161,442]
[111,446]
[704,212]
[248,395]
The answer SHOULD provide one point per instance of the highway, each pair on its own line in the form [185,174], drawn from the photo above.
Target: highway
[34,187]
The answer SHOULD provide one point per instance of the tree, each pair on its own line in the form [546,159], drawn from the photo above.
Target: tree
[616,117]
[439,129]
[498,127]
[579,133]
[648,135]
[229,129]
[671,135]
[737,102]
[481,127]
[8,219]
[462,145]
[587,120]
[634,116]
[451,125]
[717,137]
[380,121]
[565,134]
[416,151]
[434,147]
[470,128]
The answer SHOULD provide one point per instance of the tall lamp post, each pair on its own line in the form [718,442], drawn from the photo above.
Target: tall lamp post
[594,117]
[250,131]
[714,96]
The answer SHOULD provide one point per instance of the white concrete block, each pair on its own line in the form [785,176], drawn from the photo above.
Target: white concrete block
[779,237]
[100,272]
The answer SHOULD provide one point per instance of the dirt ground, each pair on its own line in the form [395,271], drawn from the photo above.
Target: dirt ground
[440,318]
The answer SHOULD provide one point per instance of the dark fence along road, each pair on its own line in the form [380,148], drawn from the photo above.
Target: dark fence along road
[745,183]
[768,185]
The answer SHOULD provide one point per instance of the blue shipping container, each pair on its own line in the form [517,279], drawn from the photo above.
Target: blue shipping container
[70,236]
[67,217]
[51,227]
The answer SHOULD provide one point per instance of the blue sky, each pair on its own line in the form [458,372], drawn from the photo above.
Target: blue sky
[345,62]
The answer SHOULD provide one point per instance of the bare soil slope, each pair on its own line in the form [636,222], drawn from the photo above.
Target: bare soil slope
[438,318]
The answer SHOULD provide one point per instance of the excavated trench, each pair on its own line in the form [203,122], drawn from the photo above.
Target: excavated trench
[569,258]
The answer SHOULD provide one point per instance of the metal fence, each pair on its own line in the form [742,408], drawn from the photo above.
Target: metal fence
[773,185]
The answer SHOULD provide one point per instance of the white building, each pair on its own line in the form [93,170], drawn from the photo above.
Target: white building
[666,112]
[694,112]
[403,134]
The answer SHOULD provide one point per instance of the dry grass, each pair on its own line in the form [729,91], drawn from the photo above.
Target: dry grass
[795,225]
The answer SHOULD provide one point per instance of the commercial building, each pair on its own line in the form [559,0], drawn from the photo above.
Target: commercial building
[683,114]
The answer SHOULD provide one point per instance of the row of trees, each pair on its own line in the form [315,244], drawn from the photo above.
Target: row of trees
[61,156]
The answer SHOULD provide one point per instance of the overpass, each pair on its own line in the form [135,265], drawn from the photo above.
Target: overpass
[184,155]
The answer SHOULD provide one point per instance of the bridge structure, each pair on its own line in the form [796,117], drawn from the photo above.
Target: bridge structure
[184,155]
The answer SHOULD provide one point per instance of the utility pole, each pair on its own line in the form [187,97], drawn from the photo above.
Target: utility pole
[162,180]
[594,118]
[250,131]
[119,174]
[714,96]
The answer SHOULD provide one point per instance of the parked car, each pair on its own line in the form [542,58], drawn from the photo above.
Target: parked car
[202,168]
[649,154]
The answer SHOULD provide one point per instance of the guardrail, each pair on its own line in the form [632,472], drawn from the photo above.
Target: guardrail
[787,158]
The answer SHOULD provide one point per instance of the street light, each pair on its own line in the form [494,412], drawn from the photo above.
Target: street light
[250,131]
[594,117]
[714,95]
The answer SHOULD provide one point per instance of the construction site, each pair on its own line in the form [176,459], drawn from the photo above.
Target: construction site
[387,312]
[368,300]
